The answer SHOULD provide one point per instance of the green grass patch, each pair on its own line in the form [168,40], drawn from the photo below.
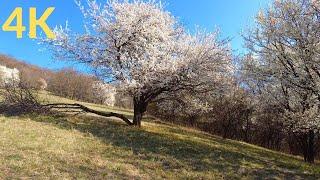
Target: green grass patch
[92,147]
[99,148]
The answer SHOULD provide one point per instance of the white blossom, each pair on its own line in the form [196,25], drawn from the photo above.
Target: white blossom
[141,48]
[283,64]
[8,75]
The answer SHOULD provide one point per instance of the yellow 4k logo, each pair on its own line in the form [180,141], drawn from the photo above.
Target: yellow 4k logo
[33,23]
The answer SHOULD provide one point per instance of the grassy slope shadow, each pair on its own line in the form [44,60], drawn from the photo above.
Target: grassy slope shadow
[176,150]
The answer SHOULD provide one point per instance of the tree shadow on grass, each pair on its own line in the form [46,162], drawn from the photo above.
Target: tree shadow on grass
[175,149]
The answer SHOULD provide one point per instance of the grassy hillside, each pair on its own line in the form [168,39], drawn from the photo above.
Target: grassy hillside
[67,147]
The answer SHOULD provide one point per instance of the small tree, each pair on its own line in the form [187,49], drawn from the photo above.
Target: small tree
[141,48]
[284,64]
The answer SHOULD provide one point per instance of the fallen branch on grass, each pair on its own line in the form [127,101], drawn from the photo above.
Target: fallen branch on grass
[19,99]
[82,108]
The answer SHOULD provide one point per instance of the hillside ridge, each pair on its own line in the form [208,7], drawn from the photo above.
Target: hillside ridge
[87,146]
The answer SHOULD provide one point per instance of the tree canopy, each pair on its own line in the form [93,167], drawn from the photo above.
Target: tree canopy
[144,50]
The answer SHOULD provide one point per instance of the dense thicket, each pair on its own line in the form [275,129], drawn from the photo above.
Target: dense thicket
[71,84]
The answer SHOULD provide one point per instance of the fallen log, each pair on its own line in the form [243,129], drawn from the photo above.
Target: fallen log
[85,109]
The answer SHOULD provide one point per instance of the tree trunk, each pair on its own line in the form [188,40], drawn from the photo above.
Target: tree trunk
[246,133]
[140,108]
[310,147]
[192,120]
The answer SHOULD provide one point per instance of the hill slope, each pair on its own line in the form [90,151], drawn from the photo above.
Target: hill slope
[27,70]
[99,148]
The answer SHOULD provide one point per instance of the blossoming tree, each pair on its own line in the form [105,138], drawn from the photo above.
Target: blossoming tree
[284,65]
[142,49]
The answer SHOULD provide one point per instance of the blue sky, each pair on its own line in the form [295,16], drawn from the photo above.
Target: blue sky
[230,16]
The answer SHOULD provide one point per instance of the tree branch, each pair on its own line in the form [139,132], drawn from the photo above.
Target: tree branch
[87,110]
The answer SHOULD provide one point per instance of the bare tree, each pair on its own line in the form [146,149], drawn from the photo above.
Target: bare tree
[18,99]
[72,84]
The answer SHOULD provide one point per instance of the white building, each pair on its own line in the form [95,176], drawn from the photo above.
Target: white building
[8,75]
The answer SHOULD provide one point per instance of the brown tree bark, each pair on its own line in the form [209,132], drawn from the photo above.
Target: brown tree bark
[140,107]
[307,145]
[310,147]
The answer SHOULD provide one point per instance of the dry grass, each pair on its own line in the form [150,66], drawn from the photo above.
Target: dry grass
[90,147]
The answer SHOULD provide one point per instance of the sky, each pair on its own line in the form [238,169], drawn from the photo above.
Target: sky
[231,17]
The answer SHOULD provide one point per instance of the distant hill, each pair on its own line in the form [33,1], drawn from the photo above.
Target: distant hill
[29,72]
[65,82]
